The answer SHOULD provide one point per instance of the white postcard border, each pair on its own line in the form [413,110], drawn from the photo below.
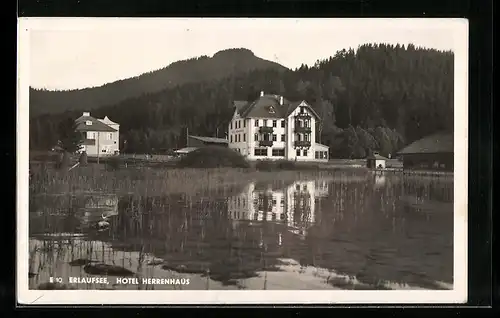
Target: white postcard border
[459,28]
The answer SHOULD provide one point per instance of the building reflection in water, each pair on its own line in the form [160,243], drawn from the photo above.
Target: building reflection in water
[294,206]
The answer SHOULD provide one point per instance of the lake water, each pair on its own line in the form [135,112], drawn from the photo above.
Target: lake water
[384,232]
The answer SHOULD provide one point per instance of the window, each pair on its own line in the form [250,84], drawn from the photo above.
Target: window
[278,152]
[88,123]
[304,187]
[231,138]
[271,109]
[256,123]
[325,154]
[260,152]
[274,137]
[274,123]
[231,125]
[306,137]
[282,202]
[273,217]
[282,216]
[110,136]
[305,153]
[274,202]
[298,137]
[283,137]
[283,124]
[256,137]
[302,109]
[298,152]
[239,137]
[244,137]
[244,123]
[316,155]
[265,122]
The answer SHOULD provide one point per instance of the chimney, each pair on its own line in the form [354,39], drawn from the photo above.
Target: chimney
[86,114]
[281,100]
[261,93]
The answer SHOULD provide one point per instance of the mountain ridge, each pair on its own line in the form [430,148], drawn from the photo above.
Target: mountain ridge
[224,63]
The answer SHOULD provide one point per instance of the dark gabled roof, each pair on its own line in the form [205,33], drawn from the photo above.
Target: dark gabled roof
[376,157]
[96,125]
[240,105]
[262,105]
[436,143]
[210,139]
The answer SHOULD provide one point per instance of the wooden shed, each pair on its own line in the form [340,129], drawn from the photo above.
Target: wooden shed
[375,161]
[433,152]
[202,141]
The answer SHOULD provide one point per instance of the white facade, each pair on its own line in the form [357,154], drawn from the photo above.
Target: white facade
[274,138]
[380,163]
[99,139]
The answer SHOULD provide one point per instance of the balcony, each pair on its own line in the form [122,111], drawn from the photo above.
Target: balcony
[265,143]
[304,115]
[302,144]
[266,130]
[299,129]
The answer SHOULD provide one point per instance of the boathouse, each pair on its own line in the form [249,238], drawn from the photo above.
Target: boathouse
[434,152]
[375,161]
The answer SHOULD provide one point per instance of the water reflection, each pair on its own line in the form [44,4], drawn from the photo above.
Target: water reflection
[376,233]
[294,206]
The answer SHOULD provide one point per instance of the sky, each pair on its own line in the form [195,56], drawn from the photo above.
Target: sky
[74,53]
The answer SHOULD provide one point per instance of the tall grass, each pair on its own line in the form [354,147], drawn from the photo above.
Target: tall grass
[150,181]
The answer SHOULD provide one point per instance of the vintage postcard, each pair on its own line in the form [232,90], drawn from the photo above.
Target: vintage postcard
[245,161]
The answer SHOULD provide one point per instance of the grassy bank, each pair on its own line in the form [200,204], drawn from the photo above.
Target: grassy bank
[151,181]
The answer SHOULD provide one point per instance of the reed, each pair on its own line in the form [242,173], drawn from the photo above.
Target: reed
[150,181]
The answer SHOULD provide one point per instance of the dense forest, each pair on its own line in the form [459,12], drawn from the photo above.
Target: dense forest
[376,97]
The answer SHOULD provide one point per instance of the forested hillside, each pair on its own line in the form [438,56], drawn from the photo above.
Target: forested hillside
[222,64]
[376,97]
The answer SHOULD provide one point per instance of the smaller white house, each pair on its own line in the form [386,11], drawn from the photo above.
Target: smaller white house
[375,161]
[100,136]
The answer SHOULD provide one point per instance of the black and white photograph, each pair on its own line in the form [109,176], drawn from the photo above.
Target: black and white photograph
[242,160]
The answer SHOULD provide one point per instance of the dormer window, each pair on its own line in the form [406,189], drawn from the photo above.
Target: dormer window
[88,123]
[271,110]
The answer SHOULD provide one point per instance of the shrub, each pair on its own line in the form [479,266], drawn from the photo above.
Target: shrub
[270,165]
[213,157]
[113,163]
[63,161]
[83,160]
